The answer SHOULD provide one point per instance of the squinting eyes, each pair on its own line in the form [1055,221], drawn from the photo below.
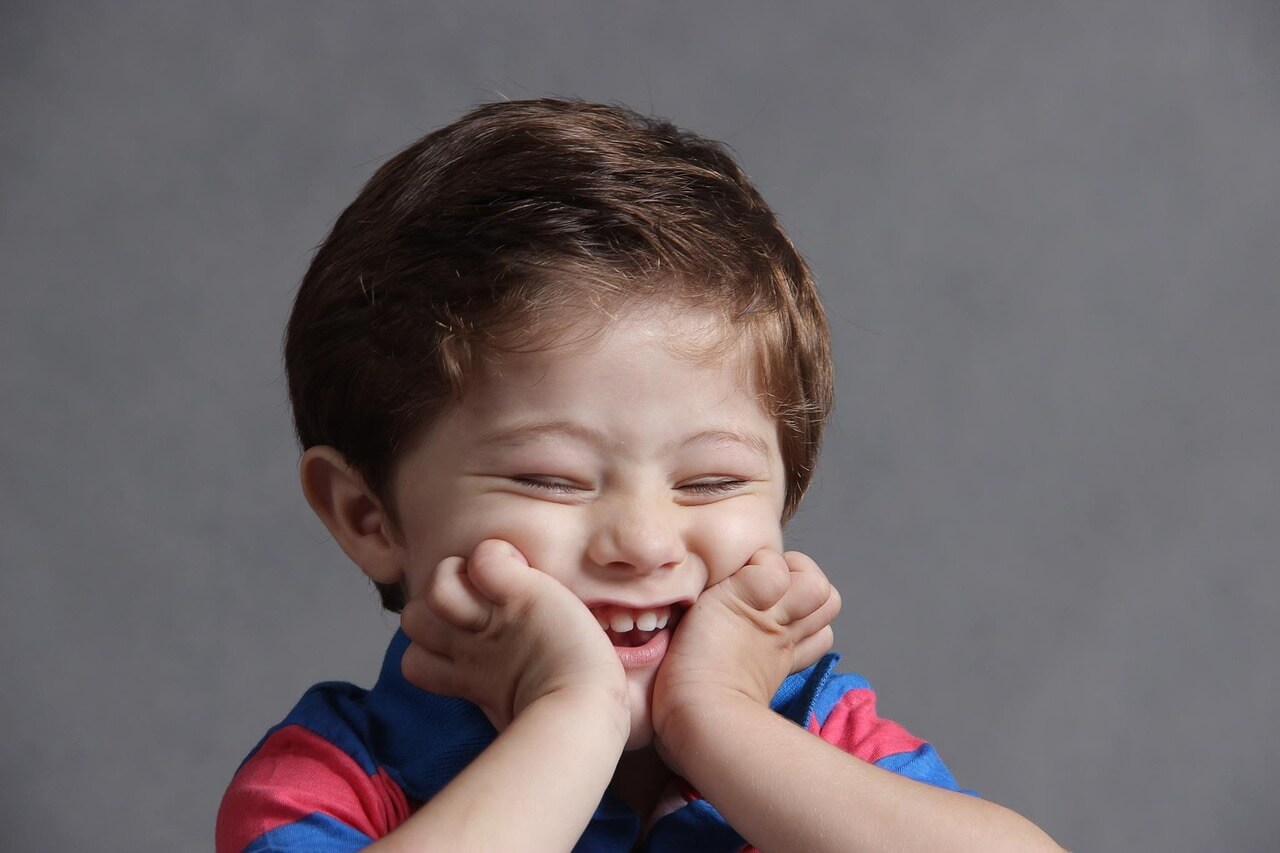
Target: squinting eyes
[713,488]
[550,484]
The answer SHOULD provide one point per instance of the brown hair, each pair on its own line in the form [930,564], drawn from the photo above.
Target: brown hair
[475,234]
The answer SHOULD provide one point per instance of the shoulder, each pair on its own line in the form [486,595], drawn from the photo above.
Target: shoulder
[313,782]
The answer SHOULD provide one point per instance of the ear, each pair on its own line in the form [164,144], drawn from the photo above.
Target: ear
[354,515]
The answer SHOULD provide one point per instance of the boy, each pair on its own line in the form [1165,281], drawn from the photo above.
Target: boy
[560,379]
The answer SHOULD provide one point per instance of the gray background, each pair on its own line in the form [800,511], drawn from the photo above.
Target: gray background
[1046,234]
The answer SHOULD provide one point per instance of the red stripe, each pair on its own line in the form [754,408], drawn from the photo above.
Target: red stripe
[296,773]
[854,726]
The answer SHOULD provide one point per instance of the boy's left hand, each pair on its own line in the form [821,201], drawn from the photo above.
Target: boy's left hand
[745,635]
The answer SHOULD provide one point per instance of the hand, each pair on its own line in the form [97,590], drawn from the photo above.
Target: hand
[815,628]
[743,636]
[494,631]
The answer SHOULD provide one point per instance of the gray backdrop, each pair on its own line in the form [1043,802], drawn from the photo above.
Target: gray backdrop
[1046,234]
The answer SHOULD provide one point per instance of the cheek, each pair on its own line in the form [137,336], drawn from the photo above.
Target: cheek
[727,536]
[544,533]
[449,521]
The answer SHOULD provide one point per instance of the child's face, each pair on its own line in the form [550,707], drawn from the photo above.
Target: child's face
[632,474]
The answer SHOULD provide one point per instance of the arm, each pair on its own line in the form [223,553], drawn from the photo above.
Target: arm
[534,788]
[778,785]
[794,791]
[537,783]
[511,639]
[520,646]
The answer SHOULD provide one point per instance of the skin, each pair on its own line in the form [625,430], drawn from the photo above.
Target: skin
[620,515]
[661,480]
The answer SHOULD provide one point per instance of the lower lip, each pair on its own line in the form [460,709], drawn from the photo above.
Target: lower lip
[639,657]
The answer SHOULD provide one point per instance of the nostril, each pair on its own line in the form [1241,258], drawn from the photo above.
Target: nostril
[642,565]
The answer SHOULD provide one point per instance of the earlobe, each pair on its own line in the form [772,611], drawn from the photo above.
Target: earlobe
[354,515]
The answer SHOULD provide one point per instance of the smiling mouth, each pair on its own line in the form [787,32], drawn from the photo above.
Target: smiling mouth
[628,628]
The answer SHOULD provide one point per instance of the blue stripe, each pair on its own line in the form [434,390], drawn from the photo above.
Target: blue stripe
[924,765]
[316,831]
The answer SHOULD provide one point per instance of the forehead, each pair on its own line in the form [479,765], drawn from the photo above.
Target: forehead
[583,321]
[664,344]
[646,366]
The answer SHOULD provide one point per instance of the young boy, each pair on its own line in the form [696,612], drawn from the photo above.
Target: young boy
[560,379]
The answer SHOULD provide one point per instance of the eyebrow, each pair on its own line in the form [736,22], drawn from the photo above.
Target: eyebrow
[524,433]
[749,440]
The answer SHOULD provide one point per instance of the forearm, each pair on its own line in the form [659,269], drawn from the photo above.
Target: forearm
[790,790]
[534,788]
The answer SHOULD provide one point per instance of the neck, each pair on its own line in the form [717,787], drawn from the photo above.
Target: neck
[640,779]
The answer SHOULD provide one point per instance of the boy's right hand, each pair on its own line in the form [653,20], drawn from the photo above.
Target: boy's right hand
[495,631]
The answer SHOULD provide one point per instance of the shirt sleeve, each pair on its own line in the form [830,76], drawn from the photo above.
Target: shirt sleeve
[299,791]
[845,715]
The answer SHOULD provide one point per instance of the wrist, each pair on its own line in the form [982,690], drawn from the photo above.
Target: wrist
[594,706]
[678,732]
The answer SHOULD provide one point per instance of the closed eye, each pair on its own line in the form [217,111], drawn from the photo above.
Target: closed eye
[549,484]
[714,487]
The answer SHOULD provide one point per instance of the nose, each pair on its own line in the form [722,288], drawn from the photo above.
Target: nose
[630,534]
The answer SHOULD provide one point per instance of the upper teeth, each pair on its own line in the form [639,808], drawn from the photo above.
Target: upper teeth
[621,621]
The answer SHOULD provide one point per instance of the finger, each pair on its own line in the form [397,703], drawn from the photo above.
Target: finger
[454,598]
[811,649]
[429,671]
[806,593]
[798,561]
[762,582]
[498,571]
[425,628]
[824,615]
[809,589]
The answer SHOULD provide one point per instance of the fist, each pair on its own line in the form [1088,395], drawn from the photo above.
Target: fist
[746,634]
[493,630]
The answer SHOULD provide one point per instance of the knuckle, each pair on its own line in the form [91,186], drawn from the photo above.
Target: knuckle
[807,592]
[436,601]
[801,562]
[769,559]
[445,574]
[775,569]
[811,585]
[768,575]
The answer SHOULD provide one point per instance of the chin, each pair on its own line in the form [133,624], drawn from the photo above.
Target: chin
[641,735]
[641,721]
